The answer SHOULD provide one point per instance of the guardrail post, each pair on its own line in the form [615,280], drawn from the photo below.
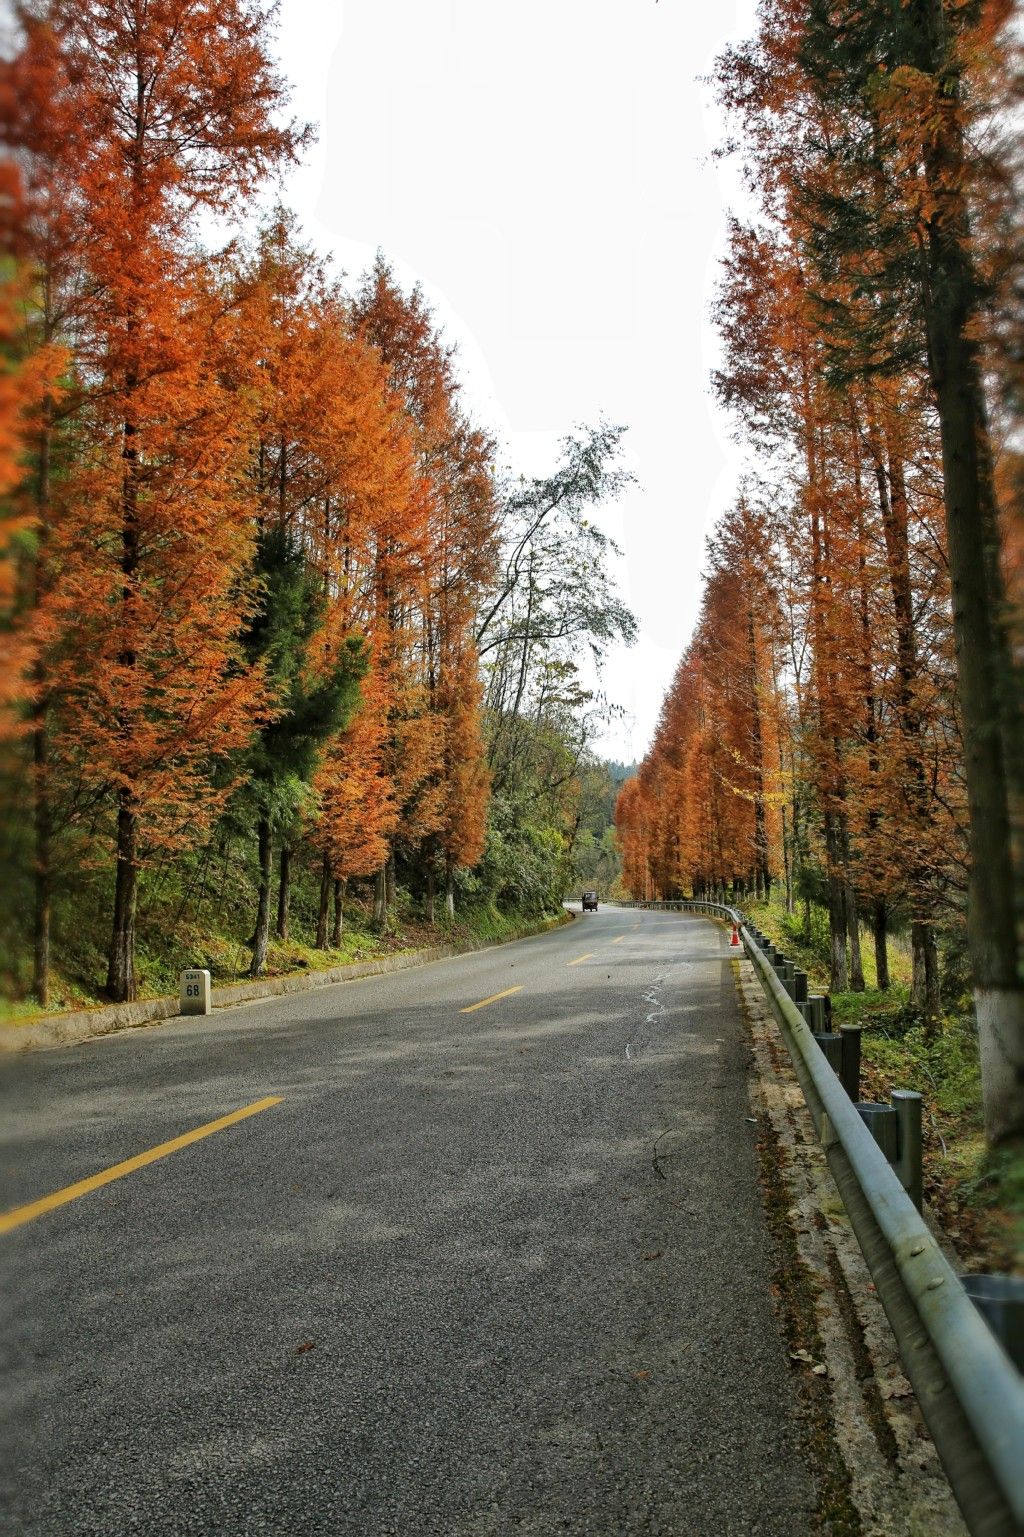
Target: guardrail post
[850,1071]
[881,1122]
[787,975]
[799,987]
[907,1104]
[1000,1301]
[832,1046]
[817,1018]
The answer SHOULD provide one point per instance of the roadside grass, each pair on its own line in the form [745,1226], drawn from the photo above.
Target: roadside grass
[208,923]
[977,1193]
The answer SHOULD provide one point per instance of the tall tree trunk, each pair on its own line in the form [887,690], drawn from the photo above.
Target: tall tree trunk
[380,901]
[925,986]
[431,893]
[870,718]
[449,892]
[761,850]
[121,961]
[880,926]
[820,617]
[390,883]
[262,934]
[284,891]
[890,475]
[42,814]
[339,913]
[839,977]
[43,858]
[987,685]
[853,929]
[933,991]
[323,912]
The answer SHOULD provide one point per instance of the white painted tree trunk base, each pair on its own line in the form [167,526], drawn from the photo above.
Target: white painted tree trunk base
[1000,1013]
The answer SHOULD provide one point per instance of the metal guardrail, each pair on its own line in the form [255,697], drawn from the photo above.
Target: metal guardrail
[968,1389]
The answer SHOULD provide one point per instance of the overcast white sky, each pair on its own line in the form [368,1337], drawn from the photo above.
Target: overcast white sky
[542,168]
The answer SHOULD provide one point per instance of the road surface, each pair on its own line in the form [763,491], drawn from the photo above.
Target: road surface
[491,1262]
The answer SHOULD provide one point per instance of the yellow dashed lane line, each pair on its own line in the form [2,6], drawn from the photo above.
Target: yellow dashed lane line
[492,999]
[23,1214]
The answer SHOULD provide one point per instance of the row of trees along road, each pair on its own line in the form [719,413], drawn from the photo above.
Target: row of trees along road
[258,565]
[847,716]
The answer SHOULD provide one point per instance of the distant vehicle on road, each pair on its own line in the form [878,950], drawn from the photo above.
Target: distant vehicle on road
[590,901]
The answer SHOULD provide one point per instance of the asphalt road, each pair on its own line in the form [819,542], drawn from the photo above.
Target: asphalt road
[491,1272]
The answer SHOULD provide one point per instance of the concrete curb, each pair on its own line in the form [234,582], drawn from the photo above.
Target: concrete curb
[85,1024]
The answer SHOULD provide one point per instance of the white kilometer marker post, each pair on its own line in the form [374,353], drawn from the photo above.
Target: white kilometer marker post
[195,992]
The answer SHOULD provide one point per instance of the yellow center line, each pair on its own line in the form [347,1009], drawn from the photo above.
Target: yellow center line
[619,940]
[580,958]
[22,1214]
[492,999]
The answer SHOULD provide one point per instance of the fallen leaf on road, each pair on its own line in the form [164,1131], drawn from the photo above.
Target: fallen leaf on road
[641,1376]
[808,1360]
[300,1350]
[654,1254]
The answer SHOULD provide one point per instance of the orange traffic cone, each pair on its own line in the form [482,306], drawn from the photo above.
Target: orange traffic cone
[735,936]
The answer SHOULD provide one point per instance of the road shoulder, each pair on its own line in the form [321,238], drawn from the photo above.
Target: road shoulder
[74,1027]
[878,1470]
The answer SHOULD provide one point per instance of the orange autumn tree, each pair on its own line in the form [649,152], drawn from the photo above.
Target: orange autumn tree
[436,751]
[178,105]
[465,781]
[872,132]
[48,238]
[27,381]
[332,470]
[463,564]
[631,833]
[855,537]
[358,810]
[773,381]
[12,661]
[17,390]
[704,813]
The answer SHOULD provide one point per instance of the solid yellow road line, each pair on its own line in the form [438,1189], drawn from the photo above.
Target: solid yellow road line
[619,940]
[22,1214]
[492,999]
[580,958]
